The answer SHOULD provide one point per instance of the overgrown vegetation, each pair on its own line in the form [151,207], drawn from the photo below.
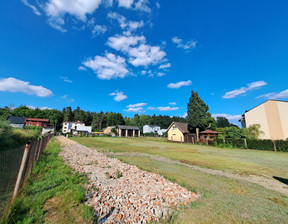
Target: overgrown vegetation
[53,194]
[11,138]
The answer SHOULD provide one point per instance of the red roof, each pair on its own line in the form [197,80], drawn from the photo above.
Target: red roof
[183,127]
[208,132]
[36,119]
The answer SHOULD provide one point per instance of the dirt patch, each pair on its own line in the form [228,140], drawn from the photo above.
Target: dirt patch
[57,211]
[65,141]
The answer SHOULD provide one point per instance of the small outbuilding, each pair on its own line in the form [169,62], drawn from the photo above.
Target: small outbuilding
[127,131]
[207,135]
[108,130]
[178,132]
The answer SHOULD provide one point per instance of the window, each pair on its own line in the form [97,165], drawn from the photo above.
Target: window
[174,128]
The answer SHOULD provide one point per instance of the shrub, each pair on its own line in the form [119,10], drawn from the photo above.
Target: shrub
[236,143]
[281,145]
[260,144]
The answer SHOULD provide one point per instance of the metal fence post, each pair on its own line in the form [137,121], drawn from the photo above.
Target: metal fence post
[21,172]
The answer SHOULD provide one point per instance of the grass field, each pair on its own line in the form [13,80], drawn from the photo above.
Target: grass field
[223,200]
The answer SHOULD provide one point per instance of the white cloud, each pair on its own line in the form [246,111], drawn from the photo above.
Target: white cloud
[158,5]
[41,108]
[136,105]
[229,117]
[118,96]
[125,3]
[172,103]
[160,74]
[151,108]
[65,79]
[134,109]
[145,55]
[167,108]
[99,29]
[124,24]
[109,67]
[164,66]
[139,53]
[186,46]
[16,85]
[77,8]
[179,84]
[281,95]
[57,23]
[123,43]
[82,68]
[185,114]
[33,7]
[142,5]
[242,90]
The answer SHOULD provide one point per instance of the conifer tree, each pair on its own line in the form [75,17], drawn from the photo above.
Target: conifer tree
[196,112]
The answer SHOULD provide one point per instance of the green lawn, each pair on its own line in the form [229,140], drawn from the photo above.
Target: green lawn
[223,200]
[241,161]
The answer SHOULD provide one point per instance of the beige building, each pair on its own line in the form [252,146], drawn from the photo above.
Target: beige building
[178,132]
[108,130]
[272,116]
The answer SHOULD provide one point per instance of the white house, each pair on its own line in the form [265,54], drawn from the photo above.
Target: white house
[75,127]
[151,129]
[161,131]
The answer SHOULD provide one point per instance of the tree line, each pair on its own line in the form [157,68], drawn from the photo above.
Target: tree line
[98,120]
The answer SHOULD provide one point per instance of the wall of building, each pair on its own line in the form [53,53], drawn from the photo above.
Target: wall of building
[175,135]
[273,118]
[258,116]
[283,113]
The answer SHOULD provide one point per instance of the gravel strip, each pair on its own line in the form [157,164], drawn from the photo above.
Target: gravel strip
[122,193]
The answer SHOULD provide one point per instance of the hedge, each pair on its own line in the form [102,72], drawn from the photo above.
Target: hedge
[258,144]
[281,145]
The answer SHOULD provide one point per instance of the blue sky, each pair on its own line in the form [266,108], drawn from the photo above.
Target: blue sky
[141,56]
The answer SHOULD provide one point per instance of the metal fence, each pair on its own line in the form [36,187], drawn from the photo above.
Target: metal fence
[15,166]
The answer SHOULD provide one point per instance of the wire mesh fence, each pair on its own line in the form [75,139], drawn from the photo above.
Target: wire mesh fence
[15,167]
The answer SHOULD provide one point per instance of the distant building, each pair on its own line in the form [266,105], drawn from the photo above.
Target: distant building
[127,131]
[178,132]
[39,122]
[71,126]
[151,129]
[82,129]
[161,132]
[208,135]
[108,130]
[16,122]
[272,115]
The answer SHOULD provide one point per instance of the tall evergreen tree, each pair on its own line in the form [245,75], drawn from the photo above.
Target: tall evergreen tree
[196,112]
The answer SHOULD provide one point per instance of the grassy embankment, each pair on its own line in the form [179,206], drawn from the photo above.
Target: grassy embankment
[223,200]
[17,137]
[53,193]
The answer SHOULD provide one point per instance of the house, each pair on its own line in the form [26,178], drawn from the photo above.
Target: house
[178,132]
[108,130]
[37,122]
[150,129]
[272,116]
[127,131]
[16,122]
[207,135]
[82,129]
[68,126]
[161,132]
[48,129]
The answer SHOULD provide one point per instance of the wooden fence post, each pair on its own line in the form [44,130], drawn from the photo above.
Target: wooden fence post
[245,142]
[21,172]
[275,148]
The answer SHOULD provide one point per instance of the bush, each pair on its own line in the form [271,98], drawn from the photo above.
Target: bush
[281,145]
[32,128]
[260,144]
[149,134]
[236,143]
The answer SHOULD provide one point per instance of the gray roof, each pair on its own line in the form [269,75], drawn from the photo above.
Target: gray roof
[128,127]
[16,120]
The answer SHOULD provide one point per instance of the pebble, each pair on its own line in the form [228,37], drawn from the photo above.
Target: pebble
[122,193]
